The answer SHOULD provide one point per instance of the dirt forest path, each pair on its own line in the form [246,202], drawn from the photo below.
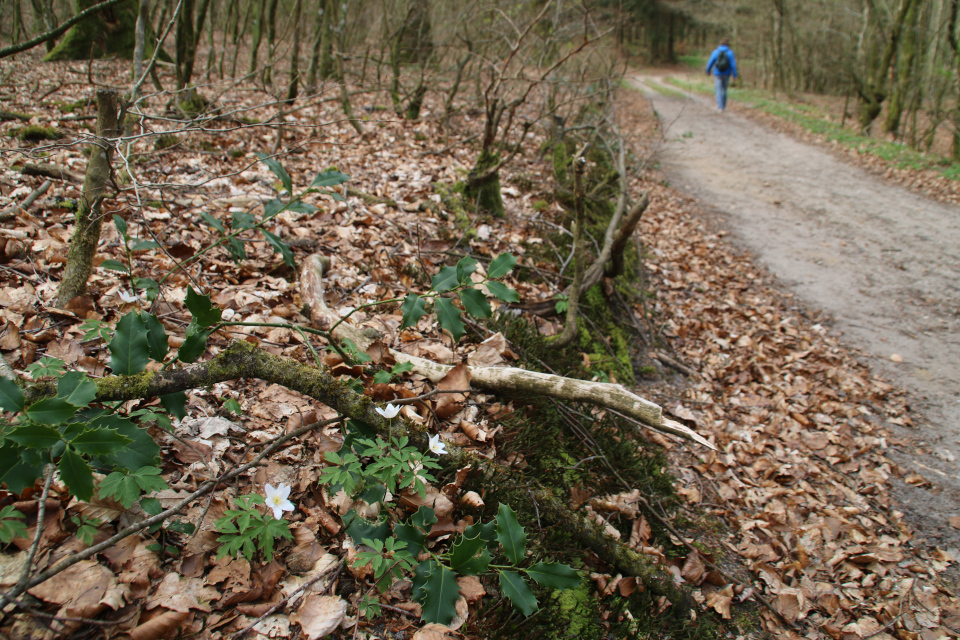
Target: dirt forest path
[881,262]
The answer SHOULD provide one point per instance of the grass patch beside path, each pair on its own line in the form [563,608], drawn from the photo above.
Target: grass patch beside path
[815,121]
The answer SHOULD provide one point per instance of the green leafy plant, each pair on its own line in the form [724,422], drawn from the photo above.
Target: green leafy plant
[389,559]
[385,377]
[246,530]
[86,528]
[126,488]
[10,524]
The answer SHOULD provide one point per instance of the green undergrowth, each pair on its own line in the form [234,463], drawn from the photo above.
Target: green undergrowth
[570,448]
[816,121]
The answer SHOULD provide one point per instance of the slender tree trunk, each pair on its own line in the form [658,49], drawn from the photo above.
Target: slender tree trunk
[271,41]
[294,85]
[86,234]
[185,44]
[906,56]
[579,256]
[143,17]
[313,68]
[257,34]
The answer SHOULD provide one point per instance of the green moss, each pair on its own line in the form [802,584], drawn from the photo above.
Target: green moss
[107,33]
[573,613]
[562,157]
[165,141]
[193,104]
[36,133]
[541,205]
[237,153]
[483,188]
[13,115]
[70,107]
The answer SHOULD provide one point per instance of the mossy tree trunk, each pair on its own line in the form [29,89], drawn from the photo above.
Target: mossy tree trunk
[257,34]
[188,39]
[293,86]
[483,184]
[415,42]
[905,60]
[86,235]
[873,86]
[320,58]
[108,32]
[271,41]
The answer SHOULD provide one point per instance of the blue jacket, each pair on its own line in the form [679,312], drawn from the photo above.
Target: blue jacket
[713,61]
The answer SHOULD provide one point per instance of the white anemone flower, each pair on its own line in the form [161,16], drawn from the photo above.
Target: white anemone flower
[391,411]
[277,500]
[437,447]
[128,297]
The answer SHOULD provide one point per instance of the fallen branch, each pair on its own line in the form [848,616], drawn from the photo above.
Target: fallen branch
[500,379]
[11,213]
[47,170]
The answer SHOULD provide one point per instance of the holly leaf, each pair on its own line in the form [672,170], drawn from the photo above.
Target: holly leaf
[511,535]
[463,558]
[278,171]
[213,222]
[554,575]
[77,389]
[157,346]
[502,291]
[413,308]
[175,403]
[11,395]
[129,349]
[449,318]
[202,310]
[475,303]
[424,518]
[516,588]
[409,534]
[76,474]
[501,265]
[445,280]
[99,442]
[329,178]
[194,344]
[51,411]
[280,247]
[486,530]
[440,595]
[142,450]
[465,267]
[35,436]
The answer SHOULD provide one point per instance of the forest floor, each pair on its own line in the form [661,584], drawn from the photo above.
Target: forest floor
[796,502]
[879,260]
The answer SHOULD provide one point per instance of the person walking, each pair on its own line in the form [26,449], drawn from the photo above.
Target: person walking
[724,66]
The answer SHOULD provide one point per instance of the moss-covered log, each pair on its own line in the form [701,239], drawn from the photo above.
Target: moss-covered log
[244,360]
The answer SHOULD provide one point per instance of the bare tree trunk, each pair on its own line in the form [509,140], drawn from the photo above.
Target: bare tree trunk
[257,35]
[143,16]
[271,41]
[86,234]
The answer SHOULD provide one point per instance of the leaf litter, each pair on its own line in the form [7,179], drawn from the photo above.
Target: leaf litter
[800,479]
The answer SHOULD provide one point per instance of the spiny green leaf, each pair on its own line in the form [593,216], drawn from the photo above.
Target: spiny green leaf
[142,450]
[76,388]
[449,318]
[156,337]
[99,442]
[76,474]
[463,558]
[213,222]
[194,344]
[554,575]
[36,436]
[486,530]
[511,535]
[202,310]
[237,251]
[502,291]
[51,411]
[280,247]
[241,220]
[129,350]
[475,303]
[501,265]
[445,280]
[465,267]
[11,395]
[278,171]
[440,595]
[329,178]
[413,308]
[175,403]
[424,518]
[411,535]
[516,588]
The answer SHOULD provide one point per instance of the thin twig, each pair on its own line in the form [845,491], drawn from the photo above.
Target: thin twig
[41,513]
[280,604]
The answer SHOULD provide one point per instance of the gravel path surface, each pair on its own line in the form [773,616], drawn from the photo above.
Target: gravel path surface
[883,264]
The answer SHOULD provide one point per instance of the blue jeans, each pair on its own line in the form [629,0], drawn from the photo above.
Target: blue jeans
[722,83]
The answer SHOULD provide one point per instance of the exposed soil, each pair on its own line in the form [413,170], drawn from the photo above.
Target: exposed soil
[880,261]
